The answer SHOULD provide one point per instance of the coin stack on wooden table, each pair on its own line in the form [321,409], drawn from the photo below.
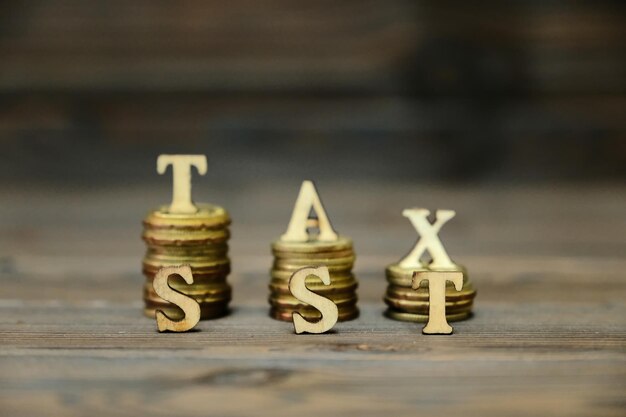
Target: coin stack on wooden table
[199,240]
[337,256]
[408,304]
[297,249]
[185,233]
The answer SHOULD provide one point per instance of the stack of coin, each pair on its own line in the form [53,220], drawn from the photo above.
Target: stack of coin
[337,255]
[408,304]
[199,240]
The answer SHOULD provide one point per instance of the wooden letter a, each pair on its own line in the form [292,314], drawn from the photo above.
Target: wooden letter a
[300,221]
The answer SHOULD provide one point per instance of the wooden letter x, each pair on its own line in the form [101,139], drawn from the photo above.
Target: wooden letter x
[429,239]
[181,174]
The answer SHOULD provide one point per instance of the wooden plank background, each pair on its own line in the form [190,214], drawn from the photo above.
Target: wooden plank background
[519,90]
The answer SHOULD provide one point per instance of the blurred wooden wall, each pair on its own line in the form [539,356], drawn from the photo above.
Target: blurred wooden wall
[521,90]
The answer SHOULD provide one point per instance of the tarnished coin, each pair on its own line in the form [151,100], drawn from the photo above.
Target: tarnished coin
[201,299]
[198,279]
[200,292]
[155,259]
[205,266]
[284,276]
[288,301]
[208,216]
[205,251]
[314,255]
[207,312]
[334,276]
[345,268]
[313,246]
[313,314]
[422,293]
[422,307]
[185,238]
[318,288]
[403,277]
[423,318]
[220,272]
[347,261]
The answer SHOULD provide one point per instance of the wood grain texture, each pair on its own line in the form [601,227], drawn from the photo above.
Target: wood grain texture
[548,337]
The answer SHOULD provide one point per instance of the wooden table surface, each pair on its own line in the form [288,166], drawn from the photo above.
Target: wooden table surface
[548,337]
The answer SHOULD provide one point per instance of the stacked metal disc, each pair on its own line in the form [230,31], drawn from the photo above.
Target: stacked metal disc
[199,240]
[408,304]
[337,255]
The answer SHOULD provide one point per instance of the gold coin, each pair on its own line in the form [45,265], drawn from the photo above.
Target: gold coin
[176,281]
[207,312]
[207,216]
[206,266]
[398,271]
[302,262]
[185,238]
[286,315]
[288,301]
[344,268]
[314,255]
[344,287]
[159,302]
[217,273]
[422,294]
[423,307]
[208,290]
[425,311]
[423,318]
[284,277]
[403,277]
[209,251]
[334,275]
[313,246]
[200,298]
[154,259]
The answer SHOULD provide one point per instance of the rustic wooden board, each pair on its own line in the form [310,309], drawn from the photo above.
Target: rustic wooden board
[548,336]
[495,364]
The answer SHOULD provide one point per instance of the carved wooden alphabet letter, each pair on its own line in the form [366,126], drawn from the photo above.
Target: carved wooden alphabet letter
[329,310]
[190,307]
[297,230]
[181,174]
[437,323]
[429,239]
